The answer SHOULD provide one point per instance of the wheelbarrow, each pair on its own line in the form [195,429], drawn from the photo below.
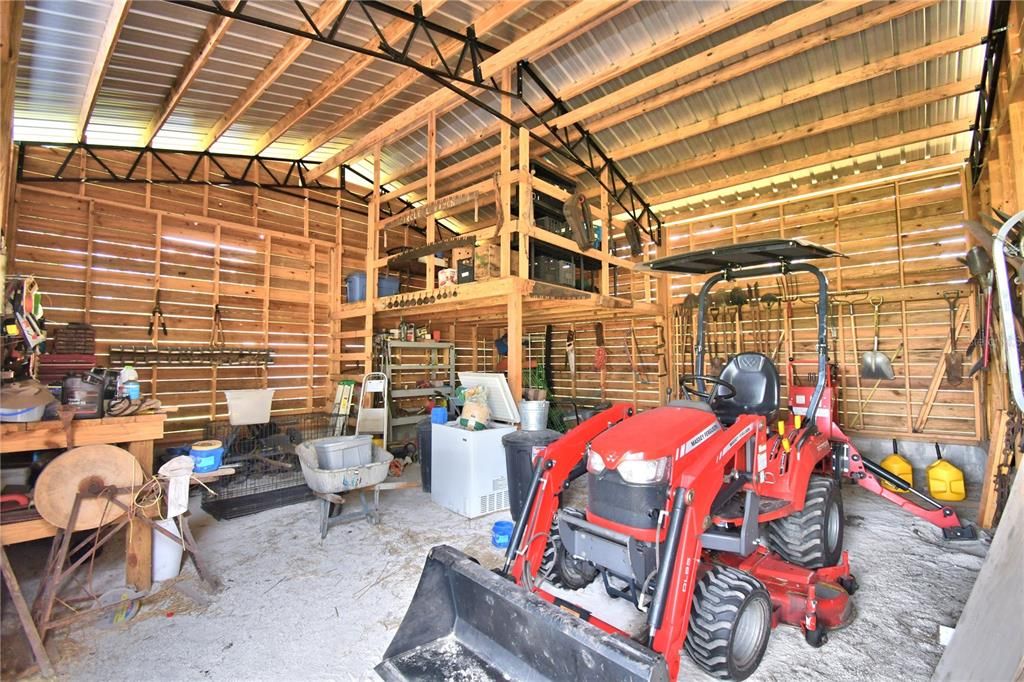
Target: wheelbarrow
[327,484]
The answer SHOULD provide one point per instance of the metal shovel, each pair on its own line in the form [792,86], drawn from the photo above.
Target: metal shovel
[954,359]
[875,364]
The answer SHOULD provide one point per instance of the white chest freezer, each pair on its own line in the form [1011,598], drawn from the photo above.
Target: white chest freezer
[467,469]
[467,473]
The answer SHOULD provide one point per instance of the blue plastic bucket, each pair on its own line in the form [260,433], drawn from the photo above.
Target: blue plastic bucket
[439,415]
[501,533]
[207,455]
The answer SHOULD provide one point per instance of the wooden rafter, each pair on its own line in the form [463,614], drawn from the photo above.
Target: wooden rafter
[804,188]
[742,67]
[769,104]
[342,76]
[644,56]
[776,30]
[326,13]
[214,32]
[850,118]
[104,51]
[799,94]
[759,144]
[493,17]
[536,42]
[822,159]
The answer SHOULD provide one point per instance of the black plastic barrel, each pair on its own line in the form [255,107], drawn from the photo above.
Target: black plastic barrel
[519,448]
[423,441]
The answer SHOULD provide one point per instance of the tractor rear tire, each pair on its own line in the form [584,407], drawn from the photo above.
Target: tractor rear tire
[730,622]
[812,537]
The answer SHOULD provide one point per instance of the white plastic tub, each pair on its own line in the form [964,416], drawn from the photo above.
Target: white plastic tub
[249,406]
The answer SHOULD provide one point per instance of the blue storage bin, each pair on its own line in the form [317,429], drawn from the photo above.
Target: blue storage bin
[387,285]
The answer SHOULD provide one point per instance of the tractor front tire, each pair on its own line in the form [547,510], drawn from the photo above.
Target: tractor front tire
[573,573]
[730,622]
[812,537]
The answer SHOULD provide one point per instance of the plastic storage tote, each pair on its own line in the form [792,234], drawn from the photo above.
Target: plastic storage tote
[356,286]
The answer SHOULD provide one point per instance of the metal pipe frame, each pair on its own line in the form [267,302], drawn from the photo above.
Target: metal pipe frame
[770,271]
[586,152]
[291,177]
[470,56]
[988,87]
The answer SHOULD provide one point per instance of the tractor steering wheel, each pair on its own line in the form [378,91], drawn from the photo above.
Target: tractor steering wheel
[707,396]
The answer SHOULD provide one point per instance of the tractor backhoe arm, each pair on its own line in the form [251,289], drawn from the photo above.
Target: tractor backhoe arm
[552,469]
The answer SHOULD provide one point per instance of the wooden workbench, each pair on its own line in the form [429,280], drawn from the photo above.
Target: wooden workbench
[136,434]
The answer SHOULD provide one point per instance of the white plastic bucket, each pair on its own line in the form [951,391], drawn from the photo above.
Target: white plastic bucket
[166,552]
[249,406]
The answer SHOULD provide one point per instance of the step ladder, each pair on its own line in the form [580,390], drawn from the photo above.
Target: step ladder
[342,408]
[369,419]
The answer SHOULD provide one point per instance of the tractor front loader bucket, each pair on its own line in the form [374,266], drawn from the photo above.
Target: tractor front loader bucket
[466,622]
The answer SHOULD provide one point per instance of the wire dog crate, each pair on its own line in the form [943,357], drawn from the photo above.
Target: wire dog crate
[267,472]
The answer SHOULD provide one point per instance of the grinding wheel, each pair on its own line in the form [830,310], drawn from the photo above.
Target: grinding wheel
[87,469]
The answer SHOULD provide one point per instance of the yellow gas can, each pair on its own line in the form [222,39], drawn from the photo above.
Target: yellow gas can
[897,465]
[945,480]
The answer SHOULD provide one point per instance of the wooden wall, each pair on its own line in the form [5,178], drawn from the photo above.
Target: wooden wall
[900,241]
[100,252]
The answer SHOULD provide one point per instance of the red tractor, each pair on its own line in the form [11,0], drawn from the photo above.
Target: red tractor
[707,517]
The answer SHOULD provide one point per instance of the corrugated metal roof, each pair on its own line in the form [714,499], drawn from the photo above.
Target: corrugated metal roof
[60,39]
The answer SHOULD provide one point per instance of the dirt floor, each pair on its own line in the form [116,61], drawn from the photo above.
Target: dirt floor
[294,609]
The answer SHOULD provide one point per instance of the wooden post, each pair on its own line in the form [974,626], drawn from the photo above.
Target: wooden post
[372,239]
[431,192]
[987,504]
[505,178]
[903,308]
[515,342]
[139,563]
[1015,145]
[606,237]
[525,222]
[267,246]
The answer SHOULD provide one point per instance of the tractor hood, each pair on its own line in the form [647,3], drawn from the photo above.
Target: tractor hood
[662,432]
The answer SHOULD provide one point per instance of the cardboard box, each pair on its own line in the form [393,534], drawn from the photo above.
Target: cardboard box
[487,262]
[462,253]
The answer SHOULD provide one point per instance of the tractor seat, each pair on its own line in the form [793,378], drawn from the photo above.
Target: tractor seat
[756,381]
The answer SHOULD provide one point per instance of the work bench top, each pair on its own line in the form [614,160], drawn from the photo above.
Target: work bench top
[47,435]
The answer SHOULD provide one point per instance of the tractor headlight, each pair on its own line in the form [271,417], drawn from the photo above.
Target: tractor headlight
[595,464]
[640,471]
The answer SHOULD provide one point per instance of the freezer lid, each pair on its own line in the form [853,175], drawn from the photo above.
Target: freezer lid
[499,397]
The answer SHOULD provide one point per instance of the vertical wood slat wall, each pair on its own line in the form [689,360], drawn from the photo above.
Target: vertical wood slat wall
[100,252]
[901,241]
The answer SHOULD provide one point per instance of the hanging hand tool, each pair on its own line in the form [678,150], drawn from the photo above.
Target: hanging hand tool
[717,362]
[875,364]
[636,360]
[156,318]
[770,302]
[874,389]
[954,360]
[979,263]
[217,331]
[600,355]
[738,299]
[570,352]
[662,351]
